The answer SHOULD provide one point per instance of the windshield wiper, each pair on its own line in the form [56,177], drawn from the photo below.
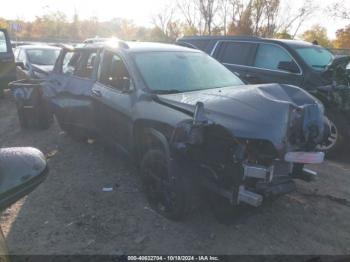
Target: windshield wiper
[319,66]
[164,92]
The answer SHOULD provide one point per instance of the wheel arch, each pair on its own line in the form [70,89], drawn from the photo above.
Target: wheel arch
[148,134]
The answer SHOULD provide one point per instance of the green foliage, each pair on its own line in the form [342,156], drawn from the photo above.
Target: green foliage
[283,35]
[343,38]
[319,34]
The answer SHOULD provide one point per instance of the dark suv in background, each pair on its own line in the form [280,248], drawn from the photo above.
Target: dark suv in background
[311,67]
[7,62]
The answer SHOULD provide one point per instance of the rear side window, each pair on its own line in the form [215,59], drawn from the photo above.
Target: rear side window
[237,53]
[3,43]
[269,56]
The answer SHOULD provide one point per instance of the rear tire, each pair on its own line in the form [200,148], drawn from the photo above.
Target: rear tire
[166,186]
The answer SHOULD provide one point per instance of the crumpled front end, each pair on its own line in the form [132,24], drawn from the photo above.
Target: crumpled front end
[333,88]
[249,170]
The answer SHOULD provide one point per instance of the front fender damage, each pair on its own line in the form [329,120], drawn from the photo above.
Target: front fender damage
[241,170]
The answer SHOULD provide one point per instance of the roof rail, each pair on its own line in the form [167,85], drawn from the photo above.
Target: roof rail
[65,46]
[121,43]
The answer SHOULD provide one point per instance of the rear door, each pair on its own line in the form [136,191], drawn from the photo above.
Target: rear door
[237,56]
[71,84]
[266,66]
[7,63]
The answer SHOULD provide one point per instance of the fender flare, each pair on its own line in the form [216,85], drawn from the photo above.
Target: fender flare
[158,136]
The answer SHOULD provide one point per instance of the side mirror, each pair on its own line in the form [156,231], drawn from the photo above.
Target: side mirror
[289,66]
[21,171]
[20,64]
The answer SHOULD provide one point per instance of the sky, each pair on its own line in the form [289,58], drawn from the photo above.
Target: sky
[140,11]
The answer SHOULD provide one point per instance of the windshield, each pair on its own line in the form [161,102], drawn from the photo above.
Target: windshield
[43,56]
[315,56]
[166,72]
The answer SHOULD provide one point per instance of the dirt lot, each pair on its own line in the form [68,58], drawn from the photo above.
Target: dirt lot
[70,214]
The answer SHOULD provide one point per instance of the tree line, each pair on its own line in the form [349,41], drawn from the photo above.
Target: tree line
[265,18]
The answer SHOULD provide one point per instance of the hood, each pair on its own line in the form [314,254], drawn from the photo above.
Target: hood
[252,111]
[45,69]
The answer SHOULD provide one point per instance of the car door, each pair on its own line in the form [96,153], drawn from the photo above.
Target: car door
[70,84]
[237,56]
[7,63]
[268,66]
[113,100]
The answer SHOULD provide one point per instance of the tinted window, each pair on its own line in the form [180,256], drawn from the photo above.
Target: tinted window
[183,71]
[112,72]
[238,53]
[269,56]
[3,43]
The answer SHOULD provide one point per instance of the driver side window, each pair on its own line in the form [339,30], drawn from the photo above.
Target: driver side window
[113,72]
[270,56]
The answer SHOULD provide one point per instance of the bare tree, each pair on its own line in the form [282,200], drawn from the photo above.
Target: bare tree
[297,19]
[189,11]
[258,9]
[164,19]
[224,12]
[339,10]
[208,9]
[272,9]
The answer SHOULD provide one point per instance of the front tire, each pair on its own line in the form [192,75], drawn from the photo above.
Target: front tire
[337,139]
[165,185]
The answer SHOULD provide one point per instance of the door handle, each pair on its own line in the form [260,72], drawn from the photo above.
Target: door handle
[96,93]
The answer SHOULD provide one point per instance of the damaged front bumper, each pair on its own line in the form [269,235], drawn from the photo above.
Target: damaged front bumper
[261,182]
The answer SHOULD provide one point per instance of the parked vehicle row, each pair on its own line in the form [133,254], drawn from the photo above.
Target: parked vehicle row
[311,67]
[187,122]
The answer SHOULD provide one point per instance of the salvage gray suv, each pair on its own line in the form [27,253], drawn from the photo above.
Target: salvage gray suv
[187,122]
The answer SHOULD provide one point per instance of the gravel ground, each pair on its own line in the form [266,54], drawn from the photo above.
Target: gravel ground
[70,214]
